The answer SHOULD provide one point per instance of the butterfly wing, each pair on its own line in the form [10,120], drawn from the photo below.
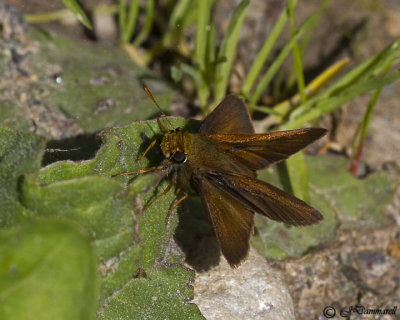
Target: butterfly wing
[258,151]
[232,223]
[258,196]
[230,116]
[231,196]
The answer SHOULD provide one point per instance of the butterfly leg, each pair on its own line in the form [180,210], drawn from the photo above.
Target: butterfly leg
[158,168]
[152,144]
[178,190]
[163,193]
[176,203]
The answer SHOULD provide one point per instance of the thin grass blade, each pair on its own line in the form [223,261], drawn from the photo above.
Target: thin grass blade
[78,12]
[263,84]
[145,30]
[263,54]
[228,50]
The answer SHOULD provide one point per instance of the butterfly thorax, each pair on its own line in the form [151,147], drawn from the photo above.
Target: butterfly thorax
[175,146]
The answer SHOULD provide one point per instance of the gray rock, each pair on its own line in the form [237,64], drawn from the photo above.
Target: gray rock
[254,290]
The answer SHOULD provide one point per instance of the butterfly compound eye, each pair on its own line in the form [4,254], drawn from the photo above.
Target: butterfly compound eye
[179,157]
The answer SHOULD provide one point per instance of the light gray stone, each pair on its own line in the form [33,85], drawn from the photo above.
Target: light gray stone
[254,290]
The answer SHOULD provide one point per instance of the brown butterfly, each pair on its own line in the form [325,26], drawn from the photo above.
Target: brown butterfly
[219,163]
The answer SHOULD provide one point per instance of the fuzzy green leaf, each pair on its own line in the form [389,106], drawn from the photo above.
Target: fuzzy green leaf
[20,153]
[98,88]
[47,271]
[125,237]
[163,292]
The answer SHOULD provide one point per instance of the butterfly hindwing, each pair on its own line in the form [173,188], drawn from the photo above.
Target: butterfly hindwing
[232,223]
[261,197]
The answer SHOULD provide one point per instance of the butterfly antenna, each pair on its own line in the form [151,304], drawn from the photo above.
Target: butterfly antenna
[158,107]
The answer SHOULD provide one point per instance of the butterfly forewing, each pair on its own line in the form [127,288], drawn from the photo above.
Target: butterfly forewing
[259,151]
[232,223]
[261,197]
[230,116]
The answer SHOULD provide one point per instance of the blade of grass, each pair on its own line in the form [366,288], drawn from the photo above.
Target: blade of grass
[191,72]
[106,9]
[284,177]
[145,30]
[228,50]
[329,104]
[78,12]
[362,132]
[49,16]
[291,78]
[173,34]
[267,110]
[211,47]
[367,116]
[312,88]
[263,53]
[282,109]
[176,73]
[277,85]
[262,85]
[203,17]
[298,178]
[130,23]
[190,16]
[172,38]
[307,34]
[296,166]
[371,67]
[121,15]
[132,52]
[66,14]
[179,11]
[296,54]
